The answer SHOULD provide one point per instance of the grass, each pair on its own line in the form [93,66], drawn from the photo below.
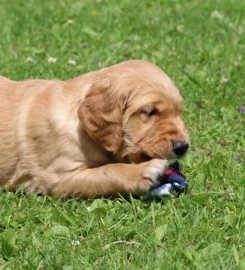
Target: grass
[199,49]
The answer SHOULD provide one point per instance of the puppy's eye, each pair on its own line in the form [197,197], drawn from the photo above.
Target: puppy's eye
[150,112]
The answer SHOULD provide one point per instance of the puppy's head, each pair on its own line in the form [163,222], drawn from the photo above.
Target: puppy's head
[133,109]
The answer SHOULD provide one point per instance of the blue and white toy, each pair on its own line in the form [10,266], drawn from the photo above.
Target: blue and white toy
[174,179]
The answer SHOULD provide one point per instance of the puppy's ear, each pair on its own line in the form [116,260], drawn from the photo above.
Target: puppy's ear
[100,114]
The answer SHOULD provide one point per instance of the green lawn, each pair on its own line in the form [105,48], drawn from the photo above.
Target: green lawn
[201,45]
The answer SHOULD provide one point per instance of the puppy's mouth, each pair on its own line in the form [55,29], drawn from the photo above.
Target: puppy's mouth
[139,157]
[146,157]
[143,157]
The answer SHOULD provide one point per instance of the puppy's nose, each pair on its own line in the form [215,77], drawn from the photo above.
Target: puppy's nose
[180,148]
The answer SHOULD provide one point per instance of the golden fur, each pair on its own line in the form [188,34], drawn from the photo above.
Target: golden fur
[77,137]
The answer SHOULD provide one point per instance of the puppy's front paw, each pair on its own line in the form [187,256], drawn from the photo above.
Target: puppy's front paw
[152,172]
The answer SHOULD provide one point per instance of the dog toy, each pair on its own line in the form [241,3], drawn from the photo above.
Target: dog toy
[174,179]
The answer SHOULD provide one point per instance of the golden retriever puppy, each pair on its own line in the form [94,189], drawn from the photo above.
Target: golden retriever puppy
[78,138]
